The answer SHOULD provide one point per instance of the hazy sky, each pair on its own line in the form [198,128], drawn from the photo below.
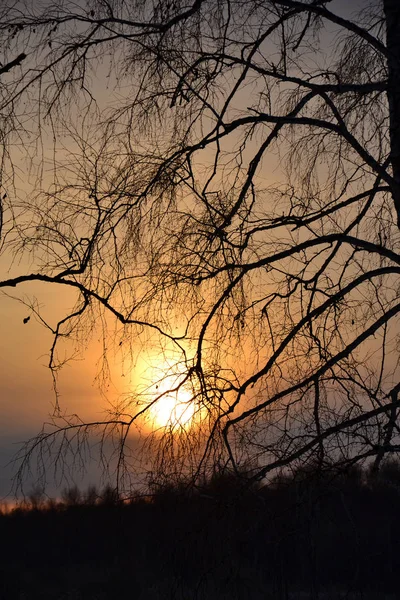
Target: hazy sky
[26,394]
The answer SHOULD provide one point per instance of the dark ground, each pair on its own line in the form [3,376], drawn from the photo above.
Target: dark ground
[310,536]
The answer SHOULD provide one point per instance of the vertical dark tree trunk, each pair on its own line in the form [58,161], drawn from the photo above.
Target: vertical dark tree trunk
[392,14]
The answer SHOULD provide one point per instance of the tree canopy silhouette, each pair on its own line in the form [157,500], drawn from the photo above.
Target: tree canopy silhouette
[225,185]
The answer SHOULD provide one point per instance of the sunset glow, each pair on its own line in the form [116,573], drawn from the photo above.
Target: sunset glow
[169,396]
[175,409]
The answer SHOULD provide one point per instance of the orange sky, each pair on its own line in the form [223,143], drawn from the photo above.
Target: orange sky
[26,394]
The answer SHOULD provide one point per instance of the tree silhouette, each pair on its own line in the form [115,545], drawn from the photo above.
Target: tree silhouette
[226,185]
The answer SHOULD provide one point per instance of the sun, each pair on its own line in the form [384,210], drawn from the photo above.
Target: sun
[169,397]
[172,409]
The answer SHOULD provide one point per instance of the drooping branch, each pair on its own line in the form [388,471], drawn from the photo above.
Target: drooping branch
[13,63]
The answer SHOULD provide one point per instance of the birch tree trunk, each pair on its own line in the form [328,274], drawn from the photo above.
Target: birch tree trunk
[392,14]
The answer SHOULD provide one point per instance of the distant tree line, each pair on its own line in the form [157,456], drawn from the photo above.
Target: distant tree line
[318,533]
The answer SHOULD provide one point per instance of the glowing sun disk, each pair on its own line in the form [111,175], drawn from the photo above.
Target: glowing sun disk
[173,409]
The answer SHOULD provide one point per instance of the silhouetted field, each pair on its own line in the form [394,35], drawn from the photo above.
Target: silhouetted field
[310,535]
